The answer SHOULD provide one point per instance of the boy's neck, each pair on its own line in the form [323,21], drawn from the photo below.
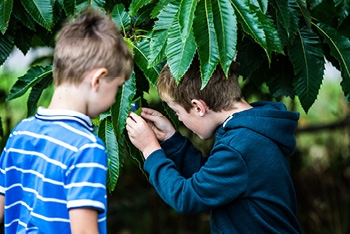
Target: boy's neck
[68,97]
[237,107]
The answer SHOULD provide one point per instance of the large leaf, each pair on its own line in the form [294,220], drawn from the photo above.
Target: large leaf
[179,51]
[273,41]
[186,15]
[106,133]
[6,46]
[305,12]
[41,11]
[282,11]
[340,49]
[159,7]
[98,3]
[226,31]
[141,49]
[280,78]
[5,14]
[136,5]
[23,39]
[160,33]
[250,56]
[250,22]
[120,111]
[308,61]
[343,8]
[121,18]
[36,92]
[69,6]
[31,78]
[23,16]
[262,4]
[204,32]
[121,108]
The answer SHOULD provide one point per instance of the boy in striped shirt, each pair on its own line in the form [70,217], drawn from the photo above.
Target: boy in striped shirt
[53,168]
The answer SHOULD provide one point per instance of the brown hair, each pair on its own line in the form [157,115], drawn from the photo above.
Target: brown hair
[220,93]
[91,41]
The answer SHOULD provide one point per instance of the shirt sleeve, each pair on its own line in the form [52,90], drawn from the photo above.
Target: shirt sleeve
[86,177]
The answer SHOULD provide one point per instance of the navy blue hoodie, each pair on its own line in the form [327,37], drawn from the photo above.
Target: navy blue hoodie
[245,182]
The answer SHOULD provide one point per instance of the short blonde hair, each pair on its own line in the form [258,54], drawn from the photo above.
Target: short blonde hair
[219,94]
[91,41]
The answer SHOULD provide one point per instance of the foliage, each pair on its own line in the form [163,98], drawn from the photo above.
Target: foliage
[283,43]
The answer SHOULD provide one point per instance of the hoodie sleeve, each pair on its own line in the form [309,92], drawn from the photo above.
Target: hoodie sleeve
[186,157]
[216,184]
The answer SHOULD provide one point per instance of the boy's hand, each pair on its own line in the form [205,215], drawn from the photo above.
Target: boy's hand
[141,135]
[161,126]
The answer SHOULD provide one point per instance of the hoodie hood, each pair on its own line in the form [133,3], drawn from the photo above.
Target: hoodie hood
[270,119]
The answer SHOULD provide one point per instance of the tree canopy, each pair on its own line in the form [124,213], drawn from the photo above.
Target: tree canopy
[281,43]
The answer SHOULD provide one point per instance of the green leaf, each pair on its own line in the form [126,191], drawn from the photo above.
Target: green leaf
[273,41]
[5,14]
[308,61]
[204,32]
[226,31]
[179,51]
[160,34]
[6,46]
[135,154]
[36,92]
[23,16]
[261,4]
[33,76]
[120,111]
[141,49]
[23,39]
[121,108]
[121,18]
[186,15]
[98,3]
[106,133]
[41,11]
[142,16]
[250,22]
[282,11]
[159,7]
[294,21]
[251,56]
[340,49]
[69,6]
[136,5]
[305,12]
[343,10]
[280,78]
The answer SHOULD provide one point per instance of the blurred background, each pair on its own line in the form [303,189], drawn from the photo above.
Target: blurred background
[320,167]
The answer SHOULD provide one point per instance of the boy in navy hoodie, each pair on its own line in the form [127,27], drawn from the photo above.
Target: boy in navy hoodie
[245,182]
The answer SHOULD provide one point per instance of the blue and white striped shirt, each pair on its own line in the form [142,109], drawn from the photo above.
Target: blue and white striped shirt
[51,163]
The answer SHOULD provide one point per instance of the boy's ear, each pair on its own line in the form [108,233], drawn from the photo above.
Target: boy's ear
[200,107]
[96,74]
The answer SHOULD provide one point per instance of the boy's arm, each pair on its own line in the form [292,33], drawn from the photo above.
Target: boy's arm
[83,221]
[2,208]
